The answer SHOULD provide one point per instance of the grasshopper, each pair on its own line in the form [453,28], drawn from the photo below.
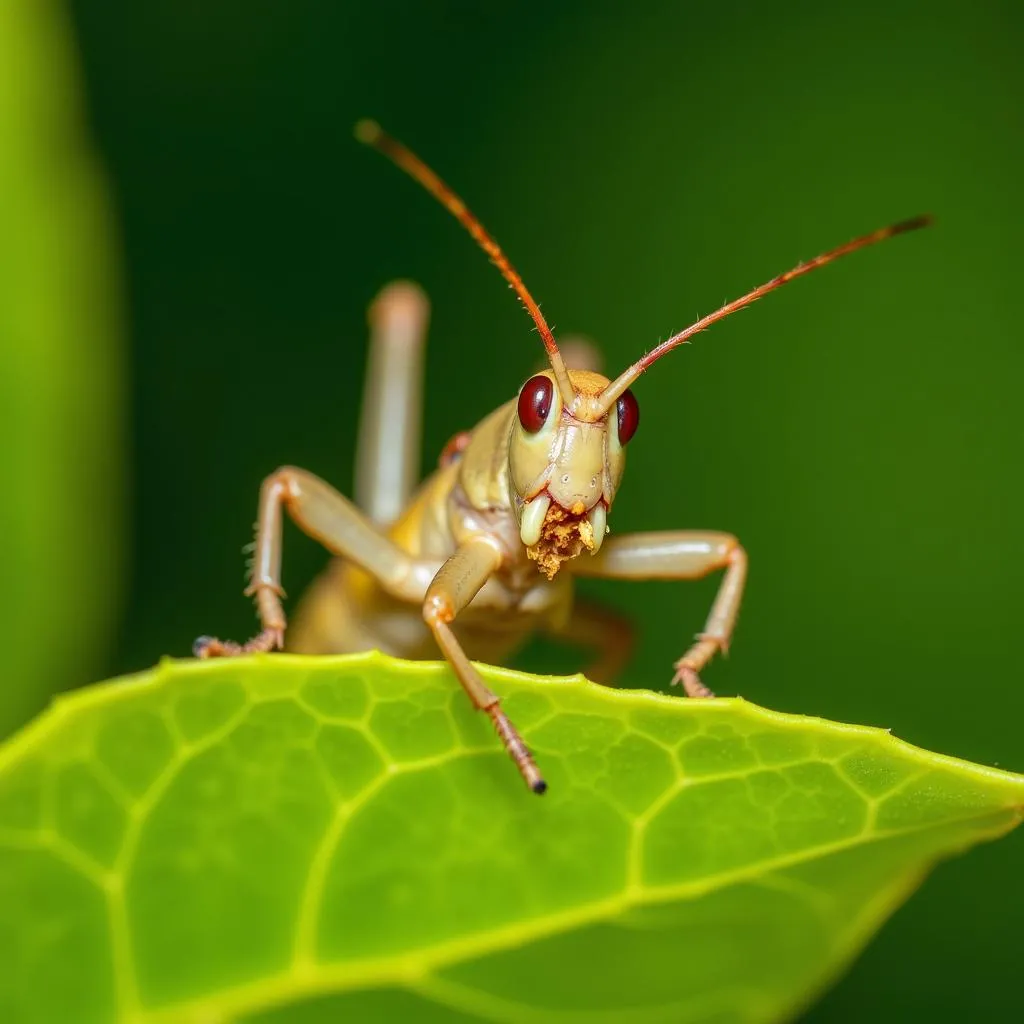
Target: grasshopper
[484,552]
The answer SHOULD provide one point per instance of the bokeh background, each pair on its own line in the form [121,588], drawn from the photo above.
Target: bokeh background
[861,431]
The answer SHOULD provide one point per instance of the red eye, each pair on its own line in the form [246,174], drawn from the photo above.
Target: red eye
[629,416]
[535,403]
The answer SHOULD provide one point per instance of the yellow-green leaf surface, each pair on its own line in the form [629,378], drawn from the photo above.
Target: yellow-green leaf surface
[294,839]
[61,516]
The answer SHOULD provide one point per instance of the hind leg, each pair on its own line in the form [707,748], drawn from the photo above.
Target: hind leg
[328,618]
[390,424]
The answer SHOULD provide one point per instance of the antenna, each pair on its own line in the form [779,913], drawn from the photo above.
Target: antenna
[611,393]
[373,135]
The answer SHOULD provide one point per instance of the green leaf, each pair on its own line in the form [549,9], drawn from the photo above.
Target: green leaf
[286,838]
[61,517]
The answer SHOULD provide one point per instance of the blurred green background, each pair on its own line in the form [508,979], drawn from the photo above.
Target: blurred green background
[861,431]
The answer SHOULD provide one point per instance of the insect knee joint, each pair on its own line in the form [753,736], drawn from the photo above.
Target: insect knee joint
[729,550]
[735,552]
[282,485]
[437,610]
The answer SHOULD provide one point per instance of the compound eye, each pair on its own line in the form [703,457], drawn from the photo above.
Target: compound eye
[535,403]
[629,416]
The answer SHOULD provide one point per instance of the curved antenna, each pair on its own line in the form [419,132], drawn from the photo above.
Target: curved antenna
[611,393]
[373,135]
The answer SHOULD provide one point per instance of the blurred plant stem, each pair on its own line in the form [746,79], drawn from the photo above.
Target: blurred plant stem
[62,515]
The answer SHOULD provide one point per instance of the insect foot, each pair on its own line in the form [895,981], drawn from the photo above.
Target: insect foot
[211,647]
[691,682]
[689,665]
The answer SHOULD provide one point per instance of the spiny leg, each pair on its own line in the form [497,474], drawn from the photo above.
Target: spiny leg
[452,589]
[602,629]
[681,555]
[388,449]
[327,516]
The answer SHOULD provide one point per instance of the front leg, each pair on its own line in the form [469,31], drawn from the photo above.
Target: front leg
[452,589]
[680,555]
[320,511]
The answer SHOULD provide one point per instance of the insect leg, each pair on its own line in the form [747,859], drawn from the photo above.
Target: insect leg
[681,555]
[602,629]
[455,585]
[320,511]
[388,449]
